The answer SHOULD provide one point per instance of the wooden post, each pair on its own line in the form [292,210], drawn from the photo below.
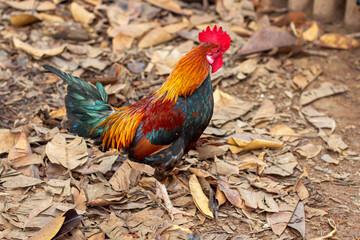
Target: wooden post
[329,10]
[352,15]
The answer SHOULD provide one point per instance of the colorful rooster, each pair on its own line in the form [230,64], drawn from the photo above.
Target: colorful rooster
[159,129]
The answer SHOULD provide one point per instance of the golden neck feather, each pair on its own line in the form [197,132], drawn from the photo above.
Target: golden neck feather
[187,75]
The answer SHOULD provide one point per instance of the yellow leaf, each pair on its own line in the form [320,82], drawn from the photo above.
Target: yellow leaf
[80,14]
[60,113]
[312,33]
[334,40]
[200,199]
[49,230]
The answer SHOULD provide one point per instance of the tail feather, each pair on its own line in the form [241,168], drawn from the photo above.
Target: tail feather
[86,106]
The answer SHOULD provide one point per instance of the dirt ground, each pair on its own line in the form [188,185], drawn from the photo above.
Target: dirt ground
[116,198]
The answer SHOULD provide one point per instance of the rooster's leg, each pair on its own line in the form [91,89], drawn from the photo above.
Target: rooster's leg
[162,192]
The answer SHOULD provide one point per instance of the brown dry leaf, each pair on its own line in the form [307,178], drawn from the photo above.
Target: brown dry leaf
[300,81]
[220,196]
[105,202]
[79,199]
[201,173]
[279,221]
[132,30]
[232,195]
[224,168]
[200,199]
[20,149]
[51,18]
[209,151]
[330,234]
[97,236]
[128,175]
[227,108]
[171,6]
[23,20]
[336,144]
[50,230]
[37,52]
[80,14]
[251,162]
[266,184]
[120,42]
[324,91]
[283,165]
[26,160]
[258,200]
[162,34]
[337,41]
[70,155]
[247,141]
[7,140]
[297,220]
[266,39]
[309,150]
[323,122]
[266,112]
[19,181]
[282,131]
[327,158]
[301,190]
[32,5]
[59,114]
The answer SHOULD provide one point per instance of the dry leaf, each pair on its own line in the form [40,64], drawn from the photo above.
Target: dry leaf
[324,91]
[266,39]
[128,175]
[97,236]
[80,14]
[23,20]
[171,6]
[36,52]
[314,212]
[220,196]
[232,195]
[259,200]
[283,165]
[7,140]
[20,149]
[336,143]
[282,131]
[252,162]
[297,220]
[59,114]
[121,42]
[224,168]
[132,30]
[337,41]
[312,33]
[20,181]
[246,141]
[69,155]
[51,18]
[209,151]
[266,112]
[50,230]
[200,199]
[309,150]
[32,5]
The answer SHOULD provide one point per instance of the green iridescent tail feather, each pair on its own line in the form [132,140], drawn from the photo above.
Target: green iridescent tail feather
[86,106]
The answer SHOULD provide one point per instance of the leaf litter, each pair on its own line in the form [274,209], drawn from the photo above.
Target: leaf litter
[255,146]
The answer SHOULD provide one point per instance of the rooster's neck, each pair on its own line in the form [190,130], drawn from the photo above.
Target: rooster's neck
[187,75]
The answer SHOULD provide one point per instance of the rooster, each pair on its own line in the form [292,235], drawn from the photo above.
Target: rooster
[159,129]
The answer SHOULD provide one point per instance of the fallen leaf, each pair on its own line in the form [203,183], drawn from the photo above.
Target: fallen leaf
[301,190]
[220,196]
[266,112]
[337,41]
[297,220]
[246,141]
[231,195]
[36,52]
[23,20]
[283,165]
[7,140]
[279,221]
[258,200]
[132,30]
[69,155]
[252,162]
[80,14]
[314,212]
[32,5]
[309,150]
[50,230]
[282,131]
[266,39]
[121,42]
[336,144]
[171,6]
[324,91]
[224,168]
[200,199]
[20,149]
[59,114]
[49,17]
[97,236]
[20,181]
[328,159]
[310,30]
[128,175]
[209,151]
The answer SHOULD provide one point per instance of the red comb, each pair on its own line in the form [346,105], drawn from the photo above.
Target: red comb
[215,36]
